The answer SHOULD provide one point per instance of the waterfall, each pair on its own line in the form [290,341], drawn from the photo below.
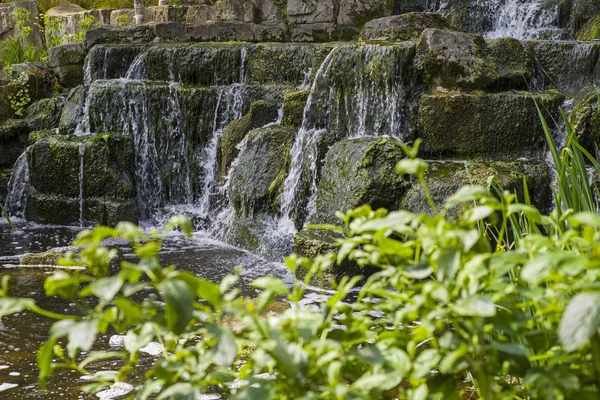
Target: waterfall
[358,91]
[18,188]
[521,19]
[81,183]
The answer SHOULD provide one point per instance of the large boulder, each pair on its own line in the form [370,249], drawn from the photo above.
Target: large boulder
[514,61]
[403,27]
[500,125]
[455,60]
[261,113]
[67,63]
[443,179]
[60,193]
[256,180]
[357,172]
[356,13]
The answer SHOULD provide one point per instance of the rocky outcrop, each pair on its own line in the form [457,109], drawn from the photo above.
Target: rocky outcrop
[499,125]
[403,27]
[44,114]
[67,63]
[60,193]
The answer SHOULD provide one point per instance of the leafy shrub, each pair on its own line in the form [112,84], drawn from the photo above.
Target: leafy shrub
[454,311]
[20,99]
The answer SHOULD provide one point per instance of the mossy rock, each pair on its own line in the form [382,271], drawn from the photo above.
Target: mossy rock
[591,29]
[311,243]
[585,120]
[403,27]
[73,111]
[455,60]
[13,141]
[261,113]
[36,136]
[502,125]
[357,172]
[44,114]
[445,178]
[257,179]
[294,103]
[50,258]
[514,61]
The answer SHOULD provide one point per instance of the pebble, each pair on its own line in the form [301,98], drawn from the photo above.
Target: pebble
[6,386]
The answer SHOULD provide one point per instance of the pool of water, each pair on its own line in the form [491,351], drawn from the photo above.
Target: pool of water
[22,334]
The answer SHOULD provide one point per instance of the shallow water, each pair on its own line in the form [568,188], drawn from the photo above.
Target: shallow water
[22,334]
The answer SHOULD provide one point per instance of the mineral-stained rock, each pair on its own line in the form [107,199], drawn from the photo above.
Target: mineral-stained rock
[455,60]
[403,27]
[261,113]
[500,125]
[443,179]
[44,114]
[357,172]
[56,188]
[256,180]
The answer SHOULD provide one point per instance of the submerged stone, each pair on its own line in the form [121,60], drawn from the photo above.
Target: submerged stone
[500,125]
[256,179]
[443,179]
[403,27]
[357,172]
[261,113]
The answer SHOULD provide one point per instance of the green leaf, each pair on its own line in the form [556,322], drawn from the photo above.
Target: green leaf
[420,393]
[208,291]
[179,391]
[378,382]
[107,288]
[62,284]
[12,305]
[414,166]
[466,193]
[44,360]
[135,341]
[274,285]
[147,250]
[82,336]
[99,356]
[427,361]
[580,321]
[182,222]
[179,304]
[585,218]
[475,306]
[225,351]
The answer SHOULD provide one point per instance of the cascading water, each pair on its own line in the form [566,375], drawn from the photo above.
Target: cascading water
[18,188]
[358,91]
[521,19]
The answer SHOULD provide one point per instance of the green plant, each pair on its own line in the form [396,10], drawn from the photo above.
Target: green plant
[87,23]
[53,31]
[19,99]
[452,313]
[123,19]
[19,48]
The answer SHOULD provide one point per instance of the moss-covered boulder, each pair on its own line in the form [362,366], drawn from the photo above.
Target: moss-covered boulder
[445,178]
[585,120]
[514,61]
[89,179]
[41,134]
[311,243]
[403,27]
[44,114]
[50,258]
[73,110]
[294,103]
[357,172]
[500,125]
[256,180]
[40,79]
[13,141]
[591,29]
[455,60]
[261,113]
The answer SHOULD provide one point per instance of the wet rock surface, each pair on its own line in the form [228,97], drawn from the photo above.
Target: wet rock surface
[403,27]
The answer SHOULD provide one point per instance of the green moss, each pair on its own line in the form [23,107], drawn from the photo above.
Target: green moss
[591,29]
[43,259]
[294,103]
[585,120]
[39,135]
